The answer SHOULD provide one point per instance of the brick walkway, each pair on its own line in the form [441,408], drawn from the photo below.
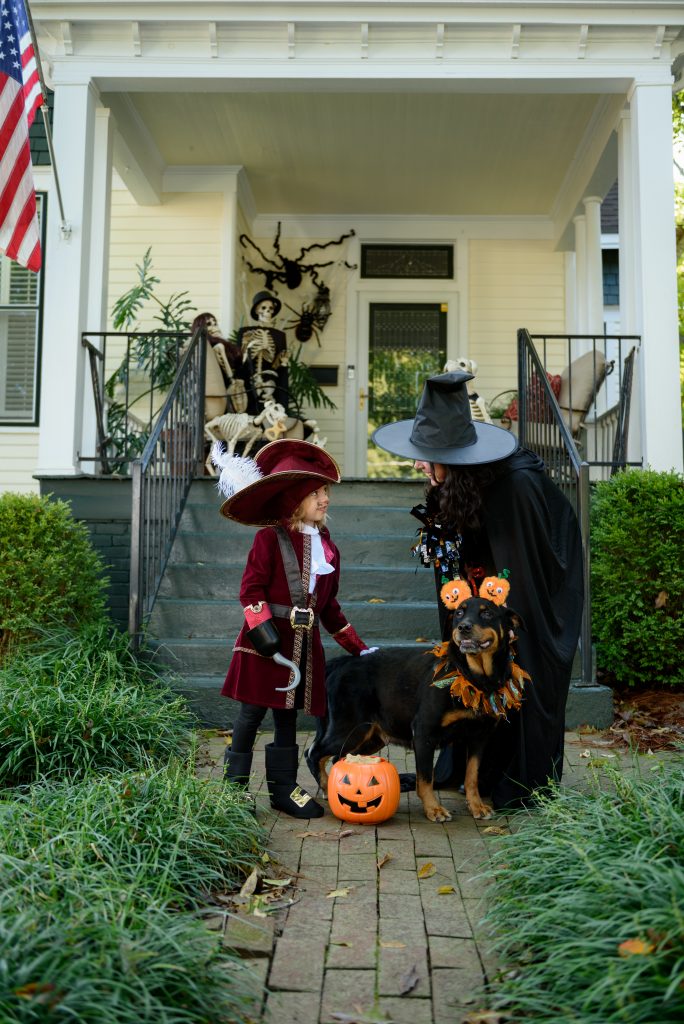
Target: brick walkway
[394,948]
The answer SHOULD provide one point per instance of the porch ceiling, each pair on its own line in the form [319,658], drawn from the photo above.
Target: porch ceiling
[380,152]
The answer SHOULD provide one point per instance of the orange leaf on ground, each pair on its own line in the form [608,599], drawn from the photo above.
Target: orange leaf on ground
[635,947]
[427,870]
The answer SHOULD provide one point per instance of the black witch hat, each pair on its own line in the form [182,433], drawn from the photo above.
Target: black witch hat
[443,429]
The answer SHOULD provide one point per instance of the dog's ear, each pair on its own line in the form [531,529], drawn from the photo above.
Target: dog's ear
[515,621]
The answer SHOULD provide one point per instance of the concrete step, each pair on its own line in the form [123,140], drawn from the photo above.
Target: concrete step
[195,617]
[363,549]
[191,657]
[359,582]
[401,493]
[343,520]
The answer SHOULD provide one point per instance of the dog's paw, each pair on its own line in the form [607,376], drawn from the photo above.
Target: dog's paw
[481,809]
[437,813]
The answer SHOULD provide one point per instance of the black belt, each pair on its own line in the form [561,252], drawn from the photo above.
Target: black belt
[299,618]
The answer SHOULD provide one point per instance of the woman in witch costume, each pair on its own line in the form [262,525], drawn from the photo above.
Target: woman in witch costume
[289,588]
[491,509]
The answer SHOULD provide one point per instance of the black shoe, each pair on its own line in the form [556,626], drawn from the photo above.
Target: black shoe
[281,779]
[236,767]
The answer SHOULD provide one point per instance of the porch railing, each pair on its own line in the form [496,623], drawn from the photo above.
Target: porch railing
[547,430]
[161,479]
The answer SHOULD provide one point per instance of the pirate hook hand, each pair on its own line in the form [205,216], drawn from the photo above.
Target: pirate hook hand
[265,638]
[349,639]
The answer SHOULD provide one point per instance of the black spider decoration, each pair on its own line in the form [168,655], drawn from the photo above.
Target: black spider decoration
[291,272]
[307,323]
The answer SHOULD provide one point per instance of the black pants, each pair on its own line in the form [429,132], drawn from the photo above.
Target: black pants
[250,718]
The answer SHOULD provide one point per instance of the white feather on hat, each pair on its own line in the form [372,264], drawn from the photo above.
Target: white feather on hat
[237,471]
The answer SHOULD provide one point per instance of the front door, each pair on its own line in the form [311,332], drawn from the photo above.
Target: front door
[406,344]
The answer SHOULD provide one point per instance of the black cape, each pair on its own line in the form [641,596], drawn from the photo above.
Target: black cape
[531,530]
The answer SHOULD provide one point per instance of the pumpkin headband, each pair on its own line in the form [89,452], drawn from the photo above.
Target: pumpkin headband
[493,588]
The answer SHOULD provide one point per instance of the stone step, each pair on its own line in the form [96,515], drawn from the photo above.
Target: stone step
[342,521]
[359,582]
[189,618]
[400,493]
[216,548]
[190,657]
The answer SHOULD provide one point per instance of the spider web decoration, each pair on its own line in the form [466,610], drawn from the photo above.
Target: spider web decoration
[291,272]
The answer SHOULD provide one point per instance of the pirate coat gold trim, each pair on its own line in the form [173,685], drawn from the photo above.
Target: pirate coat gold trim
[498,704]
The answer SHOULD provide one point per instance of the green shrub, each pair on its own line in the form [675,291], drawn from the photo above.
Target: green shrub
[80,701]
[587,910]
[637,577]
[49,572]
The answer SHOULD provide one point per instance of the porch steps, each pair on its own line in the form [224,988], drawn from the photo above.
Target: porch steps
[385,593]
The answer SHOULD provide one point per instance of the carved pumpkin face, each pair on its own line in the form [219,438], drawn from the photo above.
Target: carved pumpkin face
[364,790]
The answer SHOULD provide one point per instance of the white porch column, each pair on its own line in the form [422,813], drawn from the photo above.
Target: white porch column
[99,267]
[593,265]
[626,189]
[656,276]
[67,270]
[580,273]
[229,263]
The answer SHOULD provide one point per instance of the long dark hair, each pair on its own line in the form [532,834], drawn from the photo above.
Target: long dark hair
[460,497]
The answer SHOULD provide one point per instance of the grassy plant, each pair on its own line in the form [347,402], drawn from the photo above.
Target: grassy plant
[98,957]
[80,701]
[588,905]
[163,834]
[103,881]
[637,576]
[49,572]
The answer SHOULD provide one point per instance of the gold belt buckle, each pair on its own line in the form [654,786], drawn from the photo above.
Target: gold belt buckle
[308,612]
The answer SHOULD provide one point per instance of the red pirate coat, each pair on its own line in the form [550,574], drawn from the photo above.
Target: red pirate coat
[253,678]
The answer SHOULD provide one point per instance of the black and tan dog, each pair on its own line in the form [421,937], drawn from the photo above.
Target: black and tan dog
[457,693]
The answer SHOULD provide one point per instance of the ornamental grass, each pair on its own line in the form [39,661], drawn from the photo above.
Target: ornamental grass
[74,702]
[587,907]
[105,883]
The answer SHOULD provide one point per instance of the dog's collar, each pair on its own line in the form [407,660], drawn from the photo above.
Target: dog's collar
[497,705]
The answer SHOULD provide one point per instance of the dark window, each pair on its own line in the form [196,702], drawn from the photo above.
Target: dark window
[408,261]
[21,293]
[611,277]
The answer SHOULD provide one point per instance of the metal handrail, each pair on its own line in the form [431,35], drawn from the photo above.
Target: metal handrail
[547,434]
[161,479]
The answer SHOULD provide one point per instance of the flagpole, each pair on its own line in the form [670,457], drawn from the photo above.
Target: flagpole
[65,228]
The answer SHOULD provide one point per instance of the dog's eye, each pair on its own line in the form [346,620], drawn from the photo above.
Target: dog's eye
[345,780]
[373,781]
[459,613]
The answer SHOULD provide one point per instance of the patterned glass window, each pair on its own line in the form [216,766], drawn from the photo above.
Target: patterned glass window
[20,328]
[408,261]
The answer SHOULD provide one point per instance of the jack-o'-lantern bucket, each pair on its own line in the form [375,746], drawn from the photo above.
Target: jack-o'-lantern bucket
[363,789]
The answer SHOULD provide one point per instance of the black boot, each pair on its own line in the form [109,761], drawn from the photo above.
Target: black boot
[237,767]
[281,779]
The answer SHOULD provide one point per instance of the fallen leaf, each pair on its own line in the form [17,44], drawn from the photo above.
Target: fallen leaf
[376,600]
[249,886]
[422,640]
[586,753]
[409,980]
[265,859]
[661,599]
[332,943]
[338,892]
[347,832]
[393,944]
[496,830]
[444,890]
[384,860]
[280,882]
[427,870]
[635,947]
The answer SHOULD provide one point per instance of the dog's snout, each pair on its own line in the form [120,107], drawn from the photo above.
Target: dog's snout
[465,627]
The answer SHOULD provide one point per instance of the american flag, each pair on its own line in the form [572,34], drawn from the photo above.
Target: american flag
[20,97]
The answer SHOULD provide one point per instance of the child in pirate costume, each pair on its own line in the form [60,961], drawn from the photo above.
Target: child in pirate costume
[289,588]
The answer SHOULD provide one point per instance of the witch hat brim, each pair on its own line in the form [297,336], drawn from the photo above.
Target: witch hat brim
[491,445]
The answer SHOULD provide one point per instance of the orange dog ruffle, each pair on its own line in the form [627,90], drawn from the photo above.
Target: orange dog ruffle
[498,704]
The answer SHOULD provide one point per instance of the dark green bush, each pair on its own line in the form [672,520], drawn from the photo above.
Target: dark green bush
[49,572]
[79,701]
[637,577]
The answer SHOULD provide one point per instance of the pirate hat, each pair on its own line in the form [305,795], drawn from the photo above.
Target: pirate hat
[267,489]
[265,297]
[443,429]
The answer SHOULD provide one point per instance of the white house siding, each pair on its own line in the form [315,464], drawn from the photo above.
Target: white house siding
[512,284]
[18,456]
[184,234]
